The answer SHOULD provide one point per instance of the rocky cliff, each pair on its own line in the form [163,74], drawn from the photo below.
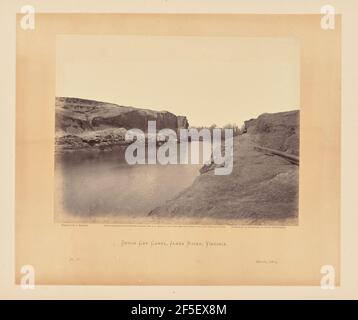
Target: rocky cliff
[82,123]
[278,131]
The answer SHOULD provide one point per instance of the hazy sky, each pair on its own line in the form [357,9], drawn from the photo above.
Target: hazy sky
[208,79]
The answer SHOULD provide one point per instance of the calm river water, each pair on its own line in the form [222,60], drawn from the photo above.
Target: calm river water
[103,184]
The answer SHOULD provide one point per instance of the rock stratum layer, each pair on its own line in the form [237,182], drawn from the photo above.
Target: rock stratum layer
[278,131]
[262,188]
[92,125]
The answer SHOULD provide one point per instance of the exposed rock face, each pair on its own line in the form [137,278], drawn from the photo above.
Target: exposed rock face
[75,115]
[182,122]
[249,123]
[278,131]
[82,123]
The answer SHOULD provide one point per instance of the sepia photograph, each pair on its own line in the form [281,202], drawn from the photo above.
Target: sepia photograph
[177,130]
